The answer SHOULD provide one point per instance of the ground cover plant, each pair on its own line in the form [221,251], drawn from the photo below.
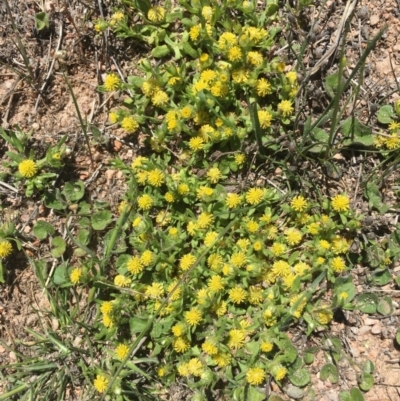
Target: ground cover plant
[201,272]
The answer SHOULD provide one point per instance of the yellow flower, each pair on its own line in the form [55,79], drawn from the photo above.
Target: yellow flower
[207,13]
[107,321]
[147,258]
[237,295]
[240,75]
[155,290]
[293,236]
[214,261]
[285,108]
[183,189]
[203,192]
[134,265]
[265,118]
[233,200]
[263,87]
[155,177]
[222,360]
[181,345]
[156,14]
[106,307]
[186,112]
[341,203]
[162,371]
[169,197]
[220,308]
[121,351]
[145,202]
[255,376]
[314,228]
[279,372]
[292,77]
[254,58]
[196,143]
[324,316]
[160,98]
[122,281]
[204,220]
[238,259]
[215,283]
[28,168]
[177,291]
[5,248]
[266,346]
[113,117]
[75,275]
[179,329]
[338,264]
[210,238]
[236,339]
[163,218]
[100,383]
[255,295]
[195,367]
[299,204]
[194,32]
[301,268]
[129,124]
[214,175]
[150,87]
[254,196]
[173,231]
[252,226]
[226,40]
[111,82]
[234,54]
[243,243]
[240,158]
[116,17]
[187,261]
[193,317]
[280,268]
[257,246]
[209,348]
[191,228]
[183,369]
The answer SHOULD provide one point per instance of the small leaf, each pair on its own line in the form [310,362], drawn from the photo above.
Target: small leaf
[367,303]
[135,81]
[74,191]
[332,84]
[160,51]
[300,378]
[398,336]
[42,229]
[41,21]
[368,366]
[329,371]
[101,220]
[357,133]
[366,381]
[320,140]
[138,324]
[381,277]
[61,275]
[386,114]
[385,306]
[255,394]
[58,247]
[274,397]
[356,394]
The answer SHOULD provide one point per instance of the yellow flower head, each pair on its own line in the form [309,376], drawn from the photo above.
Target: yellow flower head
[341,203]
[215,283]
[338,264]
[207,13]
[193,317]
[233,200]
[181,345]
[196,143]
[234,54]
[214,175]
[236,339]
[265,118]
[156,14]
[194,32]
[160,98]
[100,383]
[186,112]
[156,290]
[129,124]
[5,248]
[204,220]
[150,86]
[222,359]
[187,261]
[106,307]
[263,87]
[255,376]
[238,259]
[209,347]
[293,236]
[299,204]
[134,265]
[121,351]
[279,372]
[28,168]
[147,258]
[254,58]
[266,346]
[145,202]
[155,177]
[113,117]
[237,295]
[122,281]
[75,275]
[254,196]
[240,158]
[111,82]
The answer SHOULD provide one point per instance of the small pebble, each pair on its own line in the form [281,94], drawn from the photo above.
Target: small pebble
[364,330]
[377,329]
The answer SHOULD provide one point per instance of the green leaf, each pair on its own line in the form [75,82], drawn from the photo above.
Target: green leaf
[381,277]
[42,229]
[320,140]
[368,366]
[398,336]
[385,306]
[83,236]
[61,275]
[356,133]
[274,397]
[332,84]
[386,114]
[329,371]
[332,170]
[272,7]
[254,394]
[189,50]
[52,201]
[137,324]
[300,378]
[366,381]
[73,191]
[135,81]
[41,21]
[367,303]
[356,394]
[101,220]
[58,247]
[160,51]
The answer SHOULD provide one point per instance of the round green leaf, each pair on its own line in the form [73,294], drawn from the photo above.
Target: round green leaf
[101,220]
[42,229]
[367,303]
[58,247]
[385,306]
[386,114]
[74,191]
[366,381]
[329,371]
[300,378]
